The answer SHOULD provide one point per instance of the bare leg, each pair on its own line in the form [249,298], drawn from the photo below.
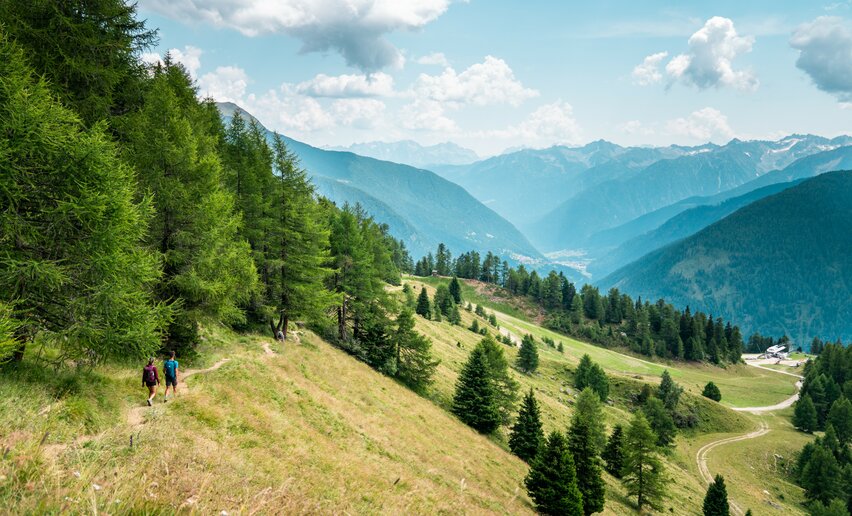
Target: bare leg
[152,392]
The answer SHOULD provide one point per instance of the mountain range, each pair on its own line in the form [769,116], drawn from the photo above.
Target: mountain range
[412,153]
[780,265]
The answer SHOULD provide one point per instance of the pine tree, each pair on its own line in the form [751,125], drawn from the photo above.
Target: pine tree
[643,474]
[712,392]
[475,400]
[424,307]
[552,480]
[415,365]
[840,416]
[528,355]
[588,407]
[527,435]
[590,374]
[837,507]
[584,446]
[455,290]
[820,477]
[613,454]
[506,388]
[661,422]
[669,392]
[443,300]
[804,415]
[716,500]
[74,263]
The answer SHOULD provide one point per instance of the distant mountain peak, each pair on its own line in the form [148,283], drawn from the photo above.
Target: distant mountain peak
[410,152]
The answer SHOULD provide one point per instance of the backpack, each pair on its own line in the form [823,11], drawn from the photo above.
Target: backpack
[169,367]
[150,375]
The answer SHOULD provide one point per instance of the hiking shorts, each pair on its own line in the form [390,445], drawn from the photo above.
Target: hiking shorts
[171,381]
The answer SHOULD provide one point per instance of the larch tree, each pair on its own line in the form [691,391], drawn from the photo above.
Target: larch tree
[805,415]
[74,268]
[527,434]
[415,365]
[643,474]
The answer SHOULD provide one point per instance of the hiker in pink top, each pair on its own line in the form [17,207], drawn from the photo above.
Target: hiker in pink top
[150,379]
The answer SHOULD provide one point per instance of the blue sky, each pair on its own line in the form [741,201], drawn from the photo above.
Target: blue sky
[491,75]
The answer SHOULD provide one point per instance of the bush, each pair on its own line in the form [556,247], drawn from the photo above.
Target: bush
[712,392]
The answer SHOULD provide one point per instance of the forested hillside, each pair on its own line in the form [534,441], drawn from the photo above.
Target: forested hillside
[748,267]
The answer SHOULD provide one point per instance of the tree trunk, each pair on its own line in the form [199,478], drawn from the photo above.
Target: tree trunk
[18,354]
[341,321]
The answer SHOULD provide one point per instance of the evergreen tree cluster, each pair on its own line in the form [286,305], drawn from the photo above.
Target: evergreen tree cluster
[611,319]
[590,374]
[130,212]
[827,382]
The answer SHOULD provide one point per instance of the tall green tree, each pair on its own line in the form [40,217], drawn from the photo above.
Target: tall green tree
[443,300]
[527,434]
[585,449]
[643,474]
[552,480]
[455,290]
[505,387]
[73,265]
[415,365]
[475,400]
[805,415]
[294,249]
[589,408]
[424,306]
[88,50]
[840,416]
[613,454]
[716,499]
[821,476]
[661,422]
[590,374]
[528,355]
[669,392]
[207,267]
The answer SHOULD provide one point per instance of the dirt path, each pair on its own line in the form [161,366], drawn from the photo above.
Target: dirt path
[701,455]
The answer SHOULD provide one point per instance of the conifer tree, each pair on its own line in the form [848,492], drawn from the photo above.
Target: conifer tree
[669,392]
[840,416]
[528,355]
[712,392]
[475,400]
[506,388]
[661,422]
[643,474]
[613,454]
[821,476]
[552,480]
[585,449]
[424,307]
[443,300]
[527,435]
[415,365]
[74,260]
[588,408]
[207,267]
[590,374]
[716,500]
[804,415]
[455,290]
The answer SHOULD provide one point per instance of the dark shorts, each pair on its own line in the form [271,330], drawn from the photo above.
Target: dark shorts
[149,384]
[171,380]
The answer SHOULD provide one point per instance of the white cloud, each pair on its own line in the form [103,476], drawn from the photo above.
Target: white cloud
[343,86]
[434,59]
[635,127]
[225,84]
[825,54]
[286,111]
[361,113]
[489,82]
[353,28]
[708,62]
[426,115]
[550,124]
[649,71]
[189,57]
[704,125]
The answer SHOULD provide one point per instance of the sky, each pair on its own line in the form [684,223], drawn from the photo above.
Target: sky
[492,75]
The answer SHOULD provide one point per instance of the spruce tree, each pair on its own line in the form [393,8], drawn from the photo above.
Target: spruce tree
[669,392]
[475,400]
[643,474]
[712,392]
[836,507]
[506,388]
[527,435]
[74,261]
[840,416]
[590,374]
[528,355]
[716,500]
[661,422]
[455,290]
[585,449]
[424,307]
[415,365]
[552,480]
[588,407]
[804,415]
[613,454]
[821,476]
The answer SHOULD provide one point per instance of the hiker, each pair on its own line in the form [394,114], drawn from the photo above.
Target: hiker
[170,369]
[150,379]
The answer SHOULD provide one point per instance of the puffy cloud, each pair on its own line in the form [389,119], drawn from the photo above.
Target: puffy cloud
[550,124]
[435,59]
[706,124]
[362,113]
[225,84]
[489,82]
[635,127]
[374,85]
[189,57]
[825,54]
[649,71]
[286,111]
[353,28]
[426,115]
[708,62]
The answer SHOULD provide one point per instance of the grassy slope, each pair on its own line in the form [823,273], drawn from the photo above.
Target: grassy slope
[309,430]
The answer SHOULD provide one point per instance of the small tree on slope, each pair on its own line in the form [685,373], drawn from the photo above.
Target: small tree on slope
[643,470]
[527,434]
[424,307]
[613,454]
[716,500]
[712,392]
[804,415]
[475,400]
[587,462]
[552,480]
[528,355]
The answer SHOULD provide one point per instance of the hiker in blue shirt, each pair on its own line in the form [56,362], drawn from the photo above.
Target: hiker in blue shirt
[170,369]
